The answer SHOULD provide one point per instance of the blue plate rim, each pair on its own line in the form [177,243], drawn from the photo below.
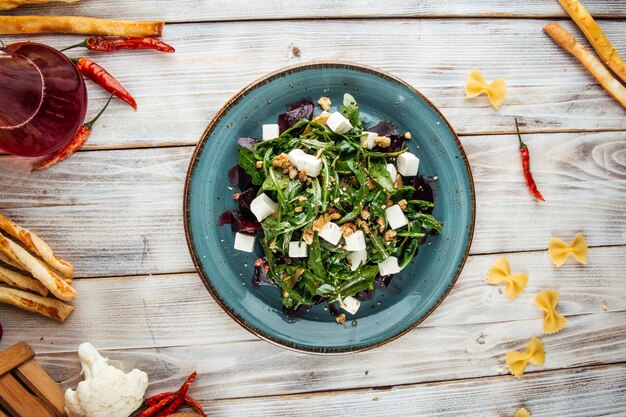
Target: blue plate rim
[187,196]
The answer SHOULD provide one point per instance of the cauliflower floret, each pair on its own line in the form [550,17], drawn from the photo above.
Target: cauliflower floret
[106,390]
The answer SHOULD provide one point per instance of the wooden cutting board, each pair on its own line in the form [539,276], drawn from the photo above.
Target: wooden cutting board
[26,390]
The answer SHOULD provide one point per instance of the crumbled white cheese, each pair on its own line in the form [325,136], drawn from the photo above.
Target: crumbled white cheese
[312,165]
[355,242]
[295,156]
[389,266]
[393,173]
[330,233]
[395,217]
[262,207]
[408,164]
[270,132]
[338,123]
[350,304]
[298,249]
[244,242]
[357,258]
[368,139]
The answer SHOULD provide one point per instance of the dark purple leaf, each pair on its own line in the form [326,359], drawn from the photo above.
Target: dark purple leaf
[397,143]
[318,299]
[247,142]
[245,199]
[382,128]
[365,295]
[225,218]
[259,276]
[423,190]
[233,176]
[303,109]
[383,280]
[238,177]
[244,224]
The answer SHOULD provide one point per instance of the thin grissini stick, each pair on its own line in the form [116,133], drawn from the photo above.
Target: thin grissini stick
[45,306]
[18,280]
[11,262]
[567,41]
[20,25]
[12,4]
[596,37]
[38,269]
[36,245]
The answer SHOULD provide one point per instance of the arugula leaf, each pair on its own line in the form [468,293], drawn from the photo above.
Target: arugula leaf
[248,161]
[378,172]
[429,222]
[315,263]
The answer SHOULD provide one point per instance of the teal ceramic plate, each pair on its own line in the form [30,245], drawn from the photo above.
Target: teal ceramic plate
[414,293]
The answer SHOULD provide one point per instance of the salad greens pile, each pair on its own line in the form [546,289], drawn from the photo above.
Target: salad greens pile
[353,190]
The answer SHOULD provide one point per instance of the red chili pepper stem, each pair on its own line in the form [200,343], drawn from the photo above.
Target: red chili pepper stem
[89,125]
[522,145]
[528,176]
[83,44]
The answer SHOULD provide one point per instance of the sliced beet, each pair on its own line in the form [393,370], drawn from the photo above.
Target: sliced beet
[225,218]
[423,190]
[247,142]
[383,280]
[397,143]
[244,224]
[259,276]
[364,295]
[382,128]
[302,109]
[245,199]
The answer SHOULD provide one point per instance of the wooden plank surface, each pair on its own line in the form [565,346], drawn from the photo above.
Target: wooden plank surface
[44,387]
[137,194]
[18,401]
[14,355]
[598,391]
[426,354]
[156,311]
[178,93]
[220,10]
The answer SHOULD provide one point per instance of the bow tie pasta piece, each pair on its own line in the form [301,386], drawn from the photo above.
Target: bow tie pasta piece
[517,361]
[553,322]
[522,412]
[559,250]
[500,272]
[476,85]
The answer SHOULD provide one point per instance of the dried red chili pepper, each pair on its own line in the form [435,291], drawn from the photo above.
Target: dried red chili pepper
[150,411]
[188,400]
[528,176]
[182,393]
[105,80]
[73,145]
[195,405]
[115,43]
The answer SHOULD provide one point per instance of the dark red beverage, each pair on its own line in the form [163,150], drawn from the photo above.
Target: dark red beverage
[43,99]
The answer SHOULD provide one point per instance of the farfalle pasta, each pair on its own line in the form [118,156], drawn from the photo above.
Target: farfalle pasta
[476,85]
[517,361]
[553,322]
[522,412]
[559,250]
[500,272]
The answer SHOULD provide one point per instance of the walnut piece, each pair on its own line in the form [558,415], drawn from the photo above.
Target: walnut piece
[365,214]
[382,141]
[402,203]
[347,229]
[341,318]
[281,161]
[324,103]
[307,236]
[389,235]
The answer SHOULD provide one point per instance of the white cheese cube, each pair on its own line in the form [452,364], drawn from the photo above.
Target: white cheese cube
[244,242]
[368,140]
[311,165]
[330,233]
[270,132]
[298,250]
[338,123]
[355,242]
[350,304]
[295,157]
[392,171]
[407,164]
[357,258]
[389,266]
[395,217]
[262,206]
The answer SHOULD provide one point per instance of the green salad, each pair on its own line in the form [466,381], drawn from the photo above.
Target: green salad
[337,204]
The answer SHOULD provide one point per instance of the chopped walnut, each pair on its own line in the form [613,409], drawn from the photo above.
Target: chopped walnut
[287,261]
[281,161]
[302,177]
[334,213]
[365,214]
[324,103]
[363,225]
[308,180]
[341,318]
[298,209]
[402,203]
[272,244]
[381,224]
[319,223]
[389,235]
[259,164]
[347,229]
[293,173]
[236,196]
[301,198]
[398,183]
[407,135]
[388,203]
[382,141]
[331,179]
[319,153]
[307,236]
[370,183]
[284,293]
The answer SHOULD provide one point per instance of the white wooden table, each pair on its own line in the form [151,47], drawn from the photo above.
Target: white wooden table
[115,210]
